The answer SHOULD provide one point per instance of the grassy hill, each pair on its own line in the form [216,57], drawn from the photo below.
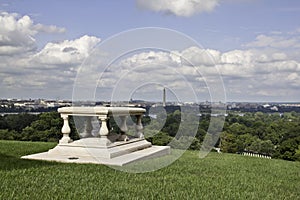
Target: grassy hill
[218,176]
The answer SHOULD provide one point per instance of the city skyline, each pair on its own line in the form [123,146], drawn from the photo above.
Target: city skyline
[253,44]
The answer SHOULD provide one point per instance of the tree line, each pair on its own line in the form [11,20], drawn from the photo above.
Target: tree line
[276,135]
[28,127]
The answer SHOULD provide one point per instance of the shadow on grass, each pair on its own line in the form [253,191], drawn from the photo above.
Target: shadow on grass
[9,162]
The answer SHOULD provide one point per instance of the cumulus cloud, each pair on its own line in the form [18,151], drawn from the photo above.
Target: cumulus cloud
[249,73]
[265,57]
[261,75]
[275,41]
[149,57]
[50,71]
[183,8]
[237,57]
[67,52]
[197,56]
[17,33]
[265,70]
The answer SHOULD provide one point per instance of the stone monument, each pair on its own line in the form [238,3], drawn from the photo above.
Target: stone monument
[107,148]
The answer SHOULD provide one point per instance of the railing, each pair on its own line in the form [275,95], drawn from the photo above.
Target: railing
[103,114]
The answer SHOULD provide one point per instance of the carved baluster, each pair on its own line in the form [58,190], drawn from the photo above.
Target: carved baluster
[104,132]
[66,130]
[139,127]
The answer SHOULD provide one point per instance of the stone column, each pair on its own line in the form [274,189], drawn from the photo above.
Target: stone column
[66,130]
[87,127]
[104,132]
[139,127]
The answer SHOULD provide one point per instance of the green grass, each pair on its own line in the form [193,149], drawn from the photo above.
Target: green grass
[218,176]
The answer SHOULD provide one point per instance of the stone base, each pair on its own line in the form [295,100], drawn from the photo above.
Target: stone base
[90,150]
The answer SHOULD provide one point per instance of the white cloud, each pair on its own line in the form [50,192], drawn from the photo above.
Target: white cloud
[150,57]
[279,56]
[17,33]
[237,57]
[198,56]
[275,41]
[251,74]
[48,73]
[49,29]
[267,69]
[67,52]
[247,73]
[184,8]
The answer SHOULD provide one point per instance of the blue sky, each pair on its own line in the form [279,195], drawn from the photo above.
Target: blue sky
[230,21]
[264,29]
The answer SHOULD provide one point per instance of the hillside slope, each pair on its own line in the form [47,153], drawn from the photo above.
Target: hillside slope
[218,176]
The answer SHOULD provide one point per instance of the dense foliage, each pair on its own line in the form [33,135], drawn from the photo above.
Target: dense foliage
[271,134]
[26,127]
[276,135]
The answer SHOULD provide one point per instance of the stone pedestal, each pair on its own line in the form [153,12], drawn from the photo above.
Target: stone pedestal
[108,148]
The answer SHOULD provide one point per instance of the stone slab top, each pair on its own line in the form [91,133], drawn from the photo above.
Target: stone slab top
[101,110]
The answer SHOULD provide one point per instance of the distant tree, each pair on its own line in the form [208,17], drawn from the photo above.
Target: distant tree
[255,146]
[273,132]
[247,120]
[19,121]
[287,149]
[259,128]
[297,154]
[259,116]
[6,134]
[195,145]
[244,142]
[185,142]
[200,134]
[3,123]
[267,147]
[47,128]
[160,139]
[228,143]
[231,118]
[237,129]
[204,122]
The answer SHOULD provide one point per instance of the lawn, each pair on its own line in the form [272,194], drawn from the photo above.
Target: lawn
[218,176]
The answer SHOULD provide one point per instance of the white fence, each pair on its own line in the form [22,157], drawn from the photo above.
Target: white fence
[256,155]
